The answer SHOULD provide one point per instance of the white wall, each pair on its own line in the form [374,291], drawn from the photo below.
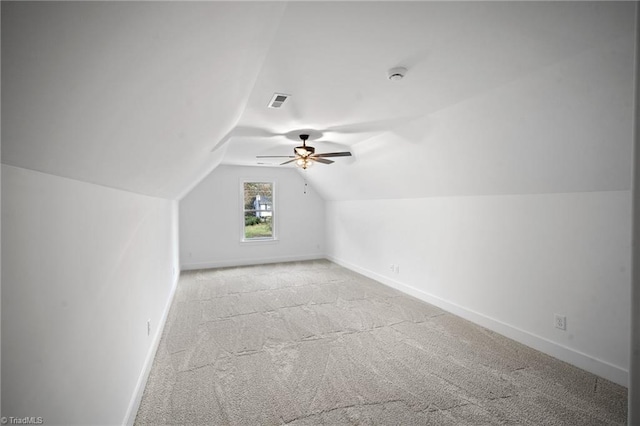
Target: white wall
[508,207]
[211,220]
[84,267]
[507,262]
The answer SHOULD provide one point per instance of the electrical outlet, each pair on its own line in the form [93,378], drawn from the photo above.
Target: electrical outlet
[560,321]
[392,267]
[397,271]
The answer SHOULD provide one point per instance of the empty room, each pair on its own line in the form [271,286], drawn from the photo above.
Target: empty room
[305,213]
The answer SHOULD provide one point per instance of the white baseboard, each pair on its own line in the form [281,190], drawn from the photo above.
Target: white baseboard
[581,360]
[247,262]
[134,405]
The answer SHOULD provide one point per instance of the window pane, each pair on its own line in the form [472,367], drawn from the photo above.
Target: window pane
[258,210]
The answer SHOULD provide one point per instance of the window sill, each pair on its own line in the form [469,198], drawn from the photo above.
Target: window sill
[259,241]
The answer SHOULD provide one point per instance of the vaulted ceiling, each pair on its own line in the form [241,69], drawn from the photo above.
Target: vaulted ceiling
[150,97]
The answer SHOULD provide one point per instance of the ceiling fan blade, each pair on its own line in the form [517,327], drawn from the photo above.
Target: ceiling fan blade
[321,160]
[275,156]
[287,162]
[333,154]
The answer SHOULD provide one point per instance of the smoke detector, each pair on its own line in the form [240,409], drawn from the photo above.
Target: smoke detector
[397,73]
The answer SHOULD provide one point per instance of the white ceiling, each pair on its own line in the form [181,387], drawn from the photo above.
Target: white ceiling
[149,97]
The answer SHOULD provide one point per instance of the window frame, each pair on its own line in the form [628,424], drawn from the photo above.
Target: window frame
[274,215]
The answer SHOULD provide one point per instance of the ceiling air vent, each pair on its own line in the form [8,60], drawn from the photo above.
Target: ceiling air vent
[277,100]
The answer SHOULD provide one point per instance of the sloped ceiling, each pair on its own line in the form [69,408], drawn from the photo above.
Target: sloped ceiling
[149,97]
[130,95]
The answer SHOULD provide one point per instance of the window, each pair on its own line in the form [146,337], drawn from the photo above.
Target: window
[258,211]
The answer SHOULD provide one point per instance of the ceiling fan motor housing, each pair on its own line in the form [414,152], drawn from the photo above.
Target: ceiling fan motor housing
[304,150]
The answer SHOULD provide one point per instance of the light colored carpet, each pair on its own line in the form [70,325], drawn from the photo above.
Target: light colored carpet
[309,343]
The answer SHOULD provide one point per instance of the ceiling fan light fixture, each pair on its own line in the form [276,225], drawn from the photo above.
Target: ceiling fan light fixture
[304,163]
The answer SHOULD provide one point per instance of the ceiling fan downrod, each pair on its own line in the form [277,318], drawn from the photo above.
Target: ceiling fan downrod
[304,150]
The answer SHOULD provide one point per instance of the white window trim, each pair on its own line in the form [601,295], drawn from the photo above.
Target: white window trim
[274,222]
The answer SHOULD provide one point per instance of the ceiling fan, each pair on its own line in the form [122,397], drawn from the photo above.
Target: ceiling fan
[304,156]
